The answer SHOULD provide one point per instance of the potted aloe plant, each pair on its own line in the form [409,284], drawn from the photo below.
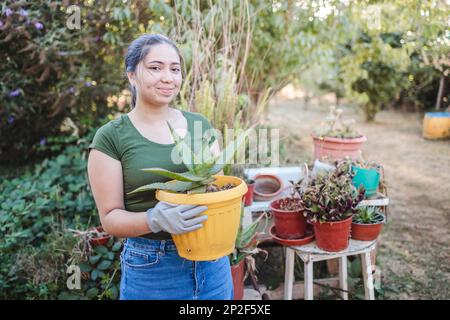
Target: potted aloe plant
[367,223]
[337,139]
[201,185]
[329,202]
[246,245]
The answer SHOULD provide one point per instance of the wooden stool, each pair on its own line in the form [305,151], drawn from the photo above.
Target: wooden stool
[310,253]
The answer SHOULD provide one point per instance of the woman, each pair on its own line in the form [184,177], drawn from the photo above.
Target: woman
[151,266]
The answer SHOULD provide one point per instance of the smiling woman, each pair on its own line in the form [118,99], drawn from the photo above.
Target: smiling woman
[151,266]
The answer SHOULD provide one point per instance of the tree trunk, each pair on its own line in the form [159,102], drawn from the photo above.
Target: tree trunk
[440,93]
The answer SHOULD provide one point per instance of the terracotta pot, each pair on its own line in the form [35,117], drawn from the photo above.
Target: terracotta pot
[248,197]
[100,241]
[366,232]
[267,187]
[332,236]
[337,148]
[237,273]
[288,224]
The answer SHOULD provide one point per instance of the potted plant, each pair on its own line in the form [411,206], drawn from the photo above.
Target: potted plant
[201,185]
[367,174]
[288,218]
[367,223]
[248,197]
[93,237]
[337,138]
[246,246]
[329,202]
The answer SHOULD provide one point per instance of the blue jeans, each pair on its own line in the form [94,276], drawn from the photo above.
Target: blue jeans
[153,270]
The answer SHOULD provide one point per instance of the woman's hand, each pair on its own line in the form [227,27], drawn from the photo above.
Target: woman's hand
[175,219]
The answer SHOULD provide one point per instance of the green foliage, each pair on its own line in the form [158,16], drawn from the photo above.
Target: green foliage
[52,73]
[35,210]
[36,271]
[331,196]
[100,267]
[368,215]
[246,243]
[202,166]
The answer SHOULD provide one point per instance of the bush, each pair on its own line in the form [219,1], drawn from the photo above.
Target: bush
[36,208]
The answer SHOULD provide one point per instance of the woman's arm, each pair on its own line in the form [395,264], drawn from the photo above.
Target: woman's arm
[105,178]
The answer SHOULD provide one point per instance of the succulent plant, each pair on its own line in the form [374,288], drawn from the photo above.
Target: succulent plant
[246,243]
[336,127]
[368,215]
[331,196]
[366,164]
[201,166]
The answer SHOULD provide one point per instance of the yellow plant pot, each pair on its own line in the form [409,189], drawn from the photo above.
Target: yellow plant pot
[436,125]
[218,235]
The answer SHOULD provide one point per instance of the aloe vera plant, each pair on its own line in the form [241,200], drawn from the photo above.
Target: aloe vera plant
[246,243]
[201,166]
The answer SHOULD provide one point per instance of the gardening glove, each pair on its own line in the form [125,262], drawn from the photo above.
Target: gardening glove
[174,218]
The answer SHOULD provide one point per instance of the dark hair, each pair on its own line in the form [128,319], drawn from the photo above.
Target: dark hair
[137,51]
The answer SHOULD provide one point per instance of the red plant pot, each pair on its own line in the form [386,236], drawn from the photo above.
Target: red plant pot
[100,241]
[248,197]
[237,273]
[366,232]
[267,187]
[337,148]
[332,236]
[288,224]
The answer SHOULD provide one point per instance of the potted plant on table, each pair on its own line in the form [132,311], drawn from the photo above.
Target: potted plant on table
[246,246]
[329,202]
[289,219]
[367,174]
[337,139]
[367,223]
[201,185]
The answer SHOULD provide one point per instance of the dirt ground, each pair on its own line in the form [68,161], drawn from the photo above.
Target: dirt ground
[414,253]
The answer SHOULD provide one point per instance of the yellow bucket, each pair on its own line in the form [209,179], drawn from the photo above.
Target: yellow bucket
[436,125]
[218,235]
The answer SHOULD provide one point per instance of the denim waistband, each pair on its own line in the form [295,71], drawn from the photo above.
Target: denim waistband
[149,244]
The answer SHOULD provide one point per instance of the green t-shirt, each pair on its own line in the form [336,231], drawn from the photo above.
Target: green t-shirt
[120,140]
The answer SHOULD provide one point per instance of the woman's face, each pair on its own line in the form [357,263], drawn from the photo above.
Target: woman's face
[158,76]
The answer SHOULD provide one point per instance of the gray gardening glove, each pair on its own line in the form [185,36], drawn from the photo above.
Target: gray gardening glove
[174,218]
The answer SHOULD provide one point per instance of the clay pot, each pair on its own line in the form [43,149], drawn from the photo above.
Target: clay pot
[288,224]
[367,232]
[267,187]
[332,236]
[337,148]
[248,197]
[237,273]
[100,241]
